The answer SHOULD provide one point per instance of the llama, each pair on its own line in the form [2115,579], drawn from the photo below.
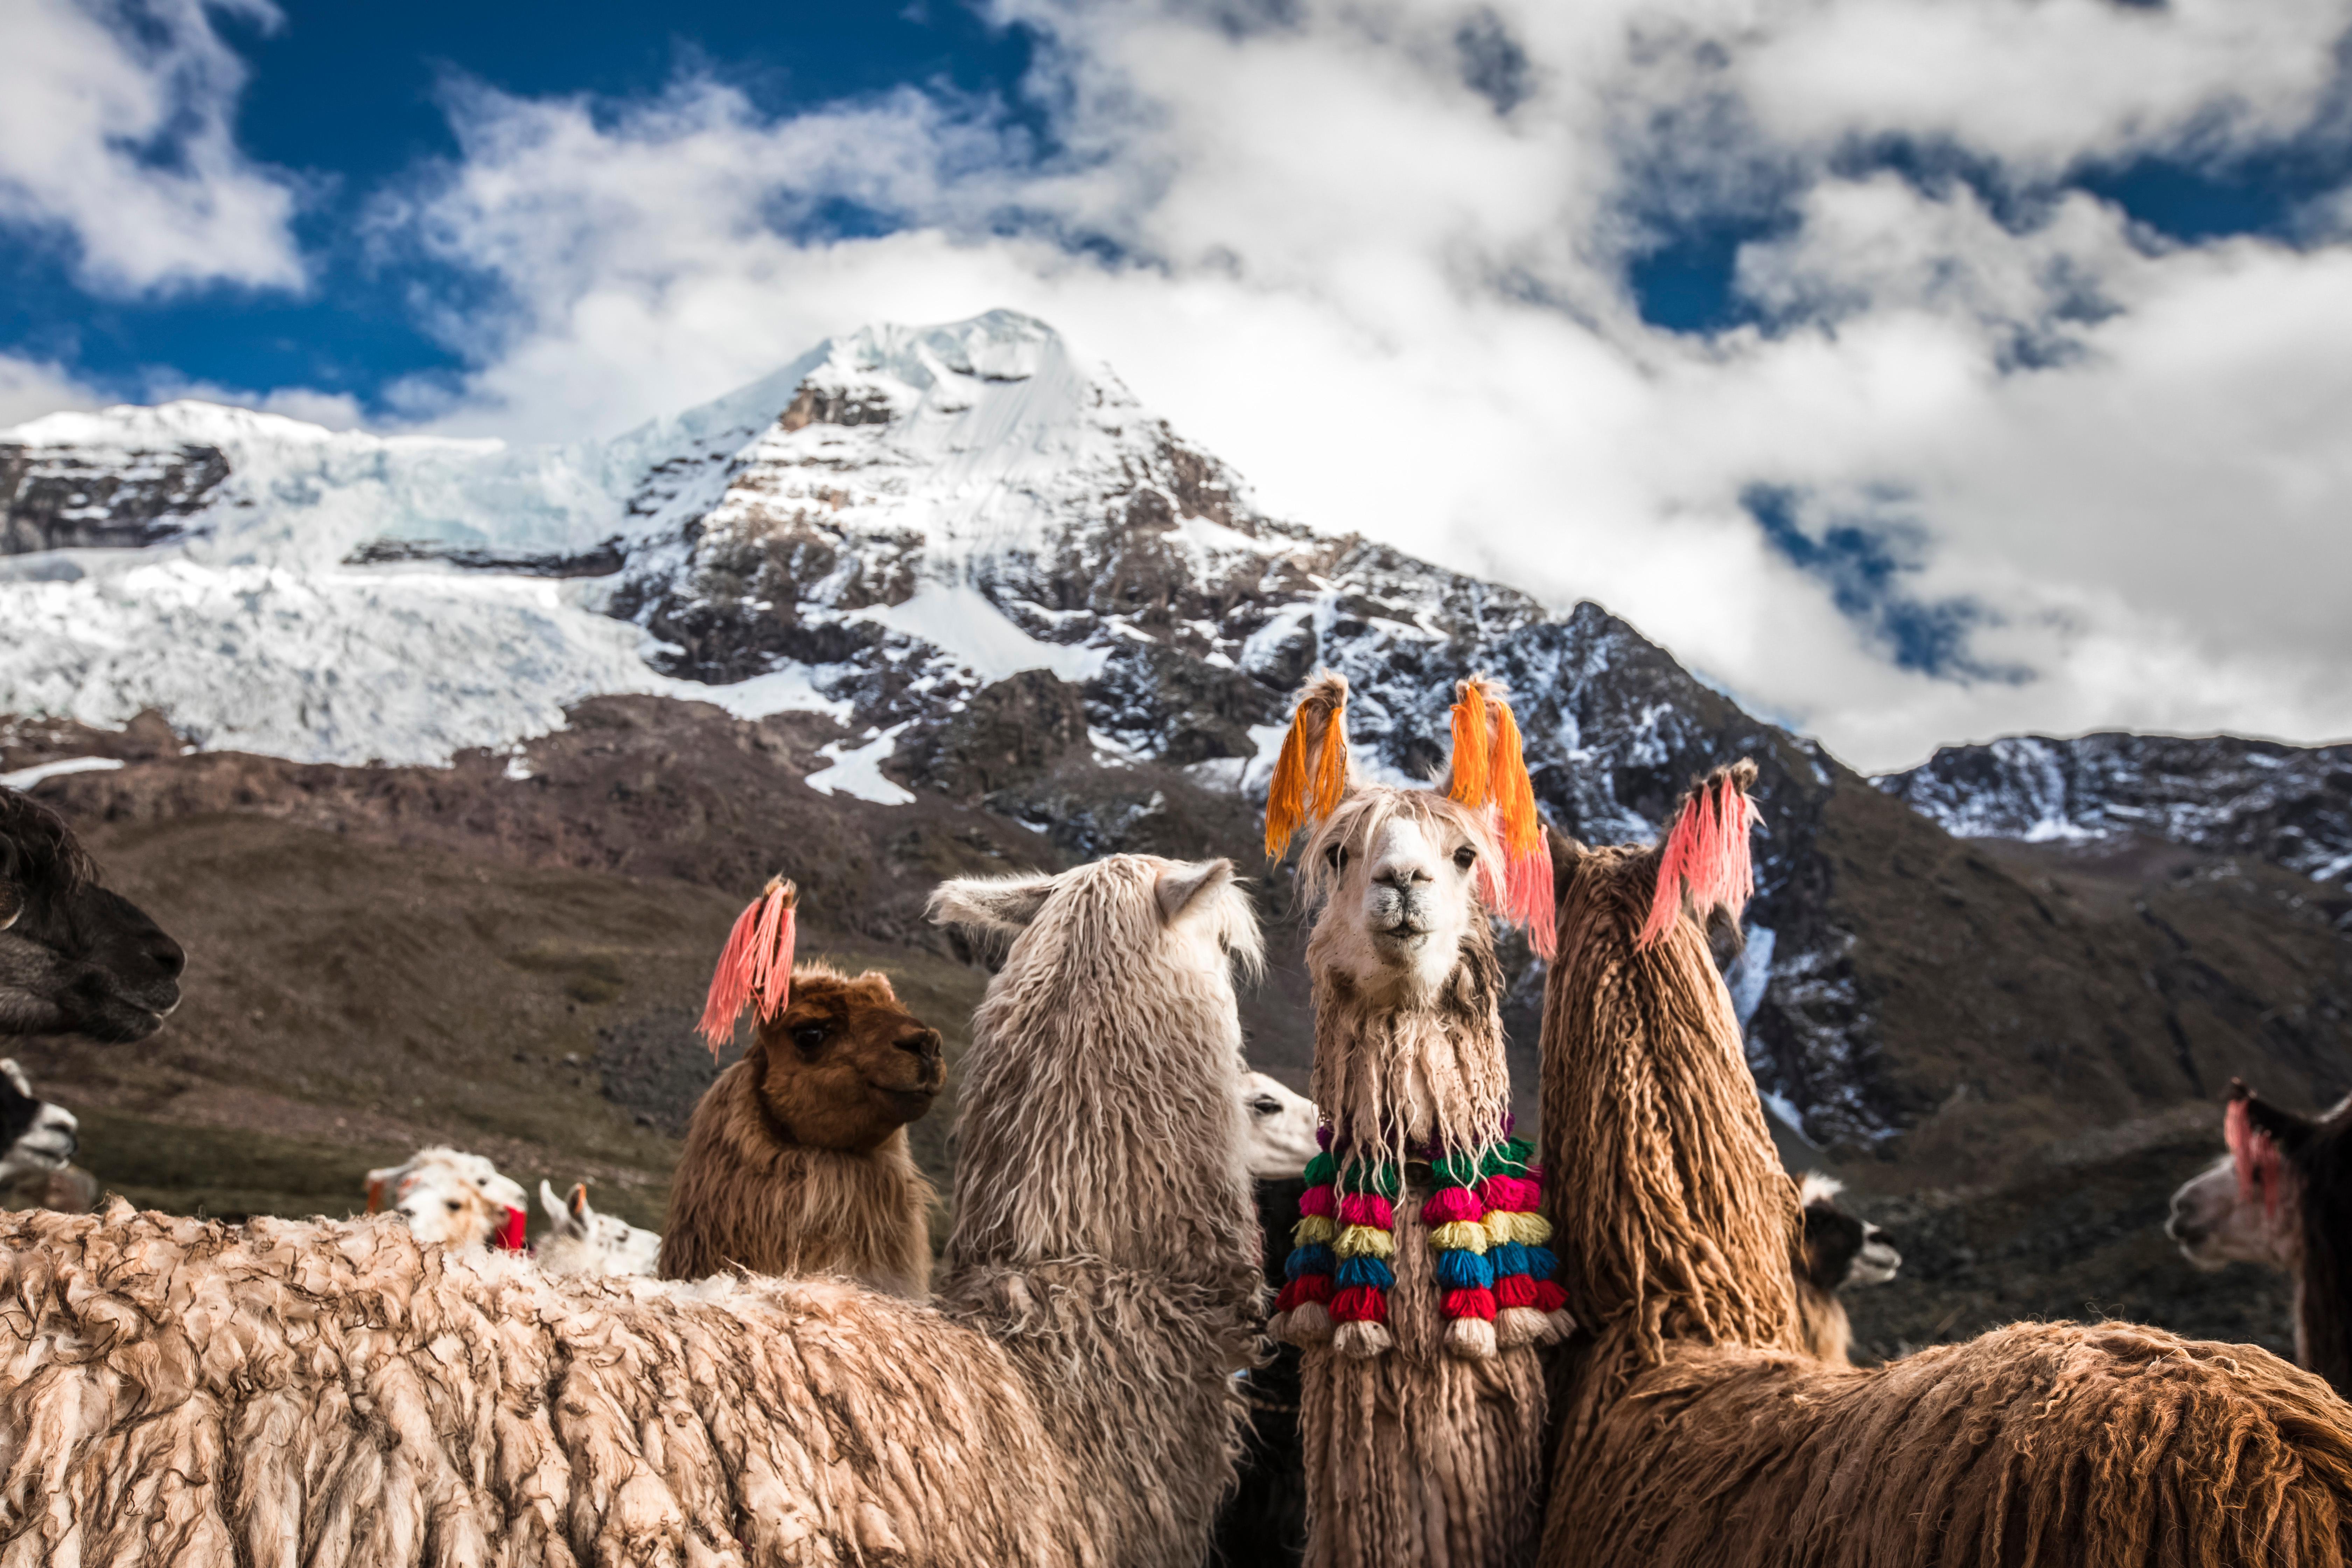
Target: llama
[452,1199]
[1691,1430]
[75,958]
[2282,1196]
[1281,1129]
[1839,1252]
[797,1160]
[585,1242]
[337,1392]
[1412,1294]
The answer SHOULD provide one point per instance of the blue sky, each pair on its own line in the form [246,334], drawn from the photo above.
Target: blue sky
[1923,369]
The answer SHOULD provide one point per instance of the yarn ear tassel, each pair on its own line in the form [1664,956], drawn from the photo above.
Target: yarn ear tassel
[755,968]
[1706,853]
[1301,793]
[2256,1153]
[1490,773]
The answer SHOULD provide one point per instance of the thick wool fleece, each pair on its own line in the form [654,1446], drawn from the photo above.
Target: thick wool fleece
[335,1393]
[1693,1430]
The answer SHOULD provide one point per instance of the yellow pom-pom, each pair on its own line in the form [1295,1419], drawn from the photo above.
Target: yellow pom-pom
[1465,1234]
[1314,1230]
[1364,1241]
[1527,1229]
[1470,1339]
[1361,1341]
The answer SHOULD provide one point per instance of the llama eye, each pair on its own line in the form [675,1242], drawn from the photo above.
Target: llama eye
[809,1036]
[452,1205]
[1465,858]
[1337,856]
[1265,1108]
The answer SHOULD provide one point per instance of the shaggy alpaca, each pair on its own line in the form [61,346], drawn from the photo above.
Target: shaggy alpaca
[1281,1129]
[74,957]
[452,1199]
[2282,1196]
[1839,1252]
[1422,1409]
[1692,1432]
[797,1160]
[337,1393]
[585,1242]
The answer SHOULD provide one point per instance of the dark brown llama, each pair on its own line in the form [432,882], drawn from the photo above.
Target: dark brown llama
[1692,1430]
[75,958]
[797,1160]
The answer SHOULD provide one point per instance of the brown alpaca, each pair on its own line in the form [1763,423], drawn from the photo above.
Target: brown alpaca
[1693,1432]
[1837,1251]
[1423,1434]
[335,1393]
[796,1162]
[2282,1196]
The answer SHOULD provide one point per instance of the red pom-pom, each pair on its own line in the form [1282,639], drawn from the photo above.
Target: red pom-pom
[1511,1195]
[1306,1287]
[1451,1206]
[1367,1208]
[1470,1304]
[1549,1298]
[511,1235]
[1360,1304]
[1319,1203]
[1514,1291]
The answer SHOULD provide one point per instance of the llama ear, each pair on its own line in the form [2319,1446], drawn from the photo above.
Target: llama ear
[1185,883]
[579,1202]
[2283,1128]
[552,1204]
[992,903]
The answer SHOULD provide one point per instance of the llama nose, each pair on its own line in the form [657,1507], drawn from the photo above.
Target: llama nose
[168,956]
[923,1043]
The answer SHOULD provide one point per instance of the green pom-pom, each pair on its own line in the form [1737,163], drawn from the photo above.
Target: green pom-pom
[1455,1170]
[1365,1176]
[1510,1158]
[1320,1170]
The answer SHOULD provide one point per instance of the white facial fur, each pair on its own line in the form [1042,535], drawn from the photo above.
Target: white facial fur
[2215,1227]
[50,1141]
[1877,1261]
[1401,900]
[1281,1129]
[585,1242]
[456,1199]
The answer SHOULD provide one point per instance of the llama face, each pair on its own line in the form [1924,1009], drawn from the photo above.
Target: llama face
[1398,872]
[75,958]
[583,1241]
[1841,1251]
[34,1134]
[2217,1224]
[1281,1129]
[844,1065]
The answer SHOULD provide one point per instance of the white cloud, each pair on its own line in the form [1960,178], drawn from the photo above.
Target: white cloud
[1401,311]
[30,388]
[116,129]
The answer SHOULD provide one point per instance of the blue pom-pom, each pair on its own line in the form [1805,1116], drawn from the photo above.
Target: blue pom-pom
[1368,1271]
[1541,1263]
[1459,1270]
[1508,1257]
[1316,1259]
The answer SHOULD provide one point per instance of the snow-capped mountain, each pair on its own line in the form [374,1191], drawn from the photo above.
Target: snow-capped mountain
[2288,805]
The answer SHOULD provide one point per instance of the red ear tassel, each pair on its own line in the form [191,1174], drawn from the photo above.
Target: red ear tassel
[513,1236]
[2256,1154]
[1707,853]
[756,965]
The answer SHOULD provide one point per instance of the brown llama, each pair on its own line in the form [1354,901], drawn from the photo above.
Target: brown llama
[1691,1430]
[75,957]
[2282,1196]
[797,1160]
[1838,1251]
[1422,1402]
[335,1393]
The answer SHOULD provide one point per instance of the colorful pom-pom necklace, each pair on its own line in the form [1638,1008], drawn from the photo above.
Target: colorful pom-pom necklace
[1494,1272]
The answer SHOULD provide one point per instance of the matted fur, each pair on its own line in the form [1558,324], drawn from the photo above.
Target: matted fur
[1415,1456]
[334,1393]
[1692,1431]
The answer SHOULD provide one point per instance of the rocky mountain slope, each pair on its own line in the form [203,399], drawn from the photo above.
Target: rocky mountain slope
[951,599]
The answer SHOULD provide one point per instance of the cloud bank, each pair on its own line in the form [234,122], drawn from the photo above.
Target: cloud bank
[1971,452]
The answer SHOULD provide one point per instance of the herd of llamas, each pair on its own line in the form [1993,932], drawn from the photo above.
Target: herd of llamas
[1182,1315]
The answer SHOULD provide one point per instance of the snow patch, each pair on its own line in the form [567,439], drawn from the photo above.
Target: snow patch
[958,619]
[26,778]
[859,772]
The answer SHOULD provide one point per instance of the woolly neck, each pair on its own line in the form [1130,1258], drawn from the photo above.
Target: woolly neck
[1404,1083]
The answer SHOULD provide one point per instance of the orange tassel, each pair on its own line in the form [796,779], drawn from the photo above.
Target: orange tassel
[755,968]
[1705,855]
[1470,745]
[1317,724]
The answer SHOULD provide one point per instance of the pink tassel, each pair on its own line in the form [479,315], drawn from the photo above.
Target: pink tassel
[2257,1156]
[1511,1194]
[755,968]
[1451,1205]
[1707,854]
[1367,1208]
